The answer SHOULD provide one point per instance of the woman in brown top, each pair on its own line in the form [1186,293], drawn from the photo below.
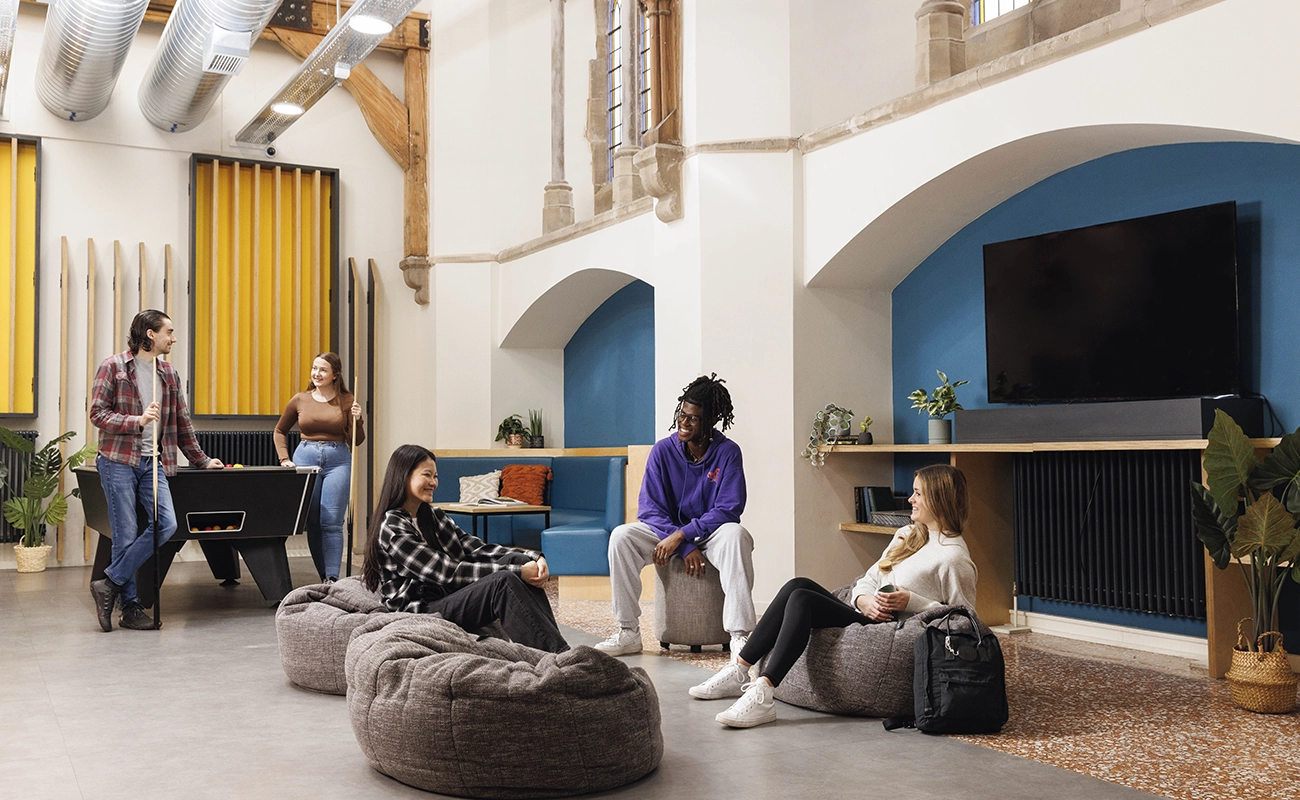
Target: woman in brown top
[324,414]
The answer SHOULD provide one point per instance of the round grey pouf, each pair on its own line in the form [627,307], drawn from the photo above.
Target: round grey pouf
[438,709]
[314,624]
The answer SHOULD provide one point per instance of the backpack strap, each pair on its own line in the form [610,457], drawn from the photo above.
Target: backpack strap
[901,721]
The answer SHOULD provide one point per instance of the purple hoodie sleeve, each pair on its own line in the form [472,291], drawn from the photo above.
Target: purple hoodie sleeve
[653,505]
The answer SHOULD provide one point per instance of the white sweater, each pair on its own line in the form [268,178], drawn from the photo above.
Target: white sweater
[940,573]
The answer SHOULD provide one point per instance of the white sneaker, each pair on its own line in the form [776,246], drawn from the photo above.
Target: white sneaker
[738,642]
[755,707]
[623,642]
[730,682]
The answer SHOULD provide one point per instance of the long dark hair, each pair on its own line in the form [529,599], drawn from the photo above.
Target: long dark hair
[711,396]
[148,320]
[944,488]
[401,466]
[336,364]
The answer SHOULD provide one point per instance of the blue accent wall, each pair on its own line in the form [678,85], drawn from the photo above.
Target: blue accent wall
[609,373]
[938,310]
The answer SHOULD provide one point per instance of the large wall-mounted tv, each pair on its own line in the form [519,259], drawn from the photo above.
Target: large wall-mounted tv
[1139,309]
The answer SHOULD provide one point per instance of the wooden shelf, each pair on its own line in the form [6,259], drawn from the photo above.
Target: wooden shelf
[1033,447]
[862,527]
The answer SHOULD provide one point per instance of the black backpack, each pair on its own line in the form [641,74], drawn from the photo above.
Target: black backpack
[959,683]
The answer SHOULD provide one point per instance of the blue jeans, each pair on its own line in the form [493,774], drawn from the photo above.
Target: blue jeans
[329,502]
[125,487]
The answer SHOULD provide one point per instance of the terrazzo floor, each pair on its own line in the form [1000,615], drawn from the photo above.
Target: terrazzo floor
[1154,723]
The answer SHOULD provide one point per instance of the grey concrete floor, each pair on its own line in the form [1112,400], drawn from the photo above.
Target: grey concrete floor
[202,709]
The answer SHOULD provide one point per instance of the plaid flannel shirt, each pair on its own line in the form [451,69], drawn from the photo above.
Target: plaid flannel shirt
[115,408]
[408,563]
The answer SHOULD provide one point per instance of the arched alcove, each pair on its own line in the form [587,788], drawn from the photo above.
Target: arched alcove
[551,319]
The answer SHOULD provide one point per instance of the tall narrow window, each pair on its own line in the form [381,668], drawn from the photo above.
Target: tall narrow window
[620,46]
[985,10]
[19,227]
[264,267]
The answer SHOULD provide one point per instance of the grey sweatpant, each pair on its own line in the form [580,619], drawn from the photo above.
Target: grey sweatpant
[729,550]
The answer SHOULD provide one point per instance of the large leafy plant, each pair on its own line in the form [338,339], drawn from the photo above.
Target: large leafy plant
[39,502]
[1248,511]
[944,401]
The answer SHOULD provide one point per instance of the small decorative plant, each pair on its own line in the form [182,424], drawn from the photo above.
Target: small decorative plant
[865,426]
[37,502]
[828,423]
[944,401]
[512,425]
[534,422]
[1248,511]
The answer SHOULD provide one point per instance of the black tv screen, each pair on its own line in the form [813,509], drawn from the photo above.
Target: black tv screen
[1139,309]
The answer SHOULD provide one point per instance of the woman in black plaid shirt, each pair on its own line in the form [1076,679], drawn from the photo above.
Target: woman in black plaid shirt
[420,561]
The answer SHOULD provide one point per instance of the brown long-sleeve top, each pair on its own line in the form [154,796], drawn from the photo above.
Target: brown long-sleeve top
[317,421]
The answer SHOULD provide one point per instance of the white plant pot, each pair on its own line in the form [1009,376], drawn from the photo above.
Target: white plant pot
[31,559]
[940,431]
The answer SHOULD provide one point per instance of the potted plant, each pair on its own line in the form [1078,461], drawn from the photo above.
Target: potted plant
[39,502]
[535,438]
[864,431]
[943,403]
[829,423]
[1247,511]
[512,431]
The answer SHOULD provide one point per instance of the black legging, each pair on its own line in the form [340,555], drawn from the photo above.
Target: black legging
[523,610]
[800,606]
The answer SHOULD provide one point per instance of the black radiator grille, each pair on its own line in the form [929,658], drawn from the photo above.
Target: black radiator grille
[1111,529]
[250,448]
[17,464]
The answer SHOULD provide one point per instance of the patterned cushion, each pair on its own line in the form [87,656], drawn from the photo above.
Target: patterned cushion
[474,488]
[526,482]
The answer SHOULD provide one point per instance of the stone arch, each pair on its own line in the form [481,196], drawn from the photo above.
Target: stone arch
[551,319]
[898,239]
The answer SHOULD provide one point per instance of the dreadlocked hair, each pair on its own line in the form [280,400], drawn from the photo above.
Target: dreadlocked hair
[711,396]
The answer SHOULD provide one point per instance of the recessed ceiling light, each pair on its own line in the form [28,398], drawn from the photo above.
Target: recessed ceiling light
[373,26]
[286,108]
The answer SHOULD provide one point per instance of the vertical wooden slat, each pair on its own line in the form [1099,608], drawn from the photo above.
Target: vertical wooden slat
[277,393]
[213,327]
[167,281]
[13,270]
[117,295]
[90,359]
[144,285]
[297,273]
[236,363]
[64,287]
[256,349]
[316,278]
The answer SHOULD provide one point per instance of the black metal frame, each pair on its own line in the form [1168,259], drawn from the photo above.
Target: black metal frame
[333,172]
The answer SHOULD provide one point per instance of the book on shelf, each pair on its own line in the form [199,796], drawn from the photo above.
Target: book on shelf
[891,519]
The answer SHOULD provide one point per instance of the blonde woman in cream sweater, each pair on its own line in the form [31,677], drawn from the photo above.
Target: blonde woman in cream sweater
[926,565]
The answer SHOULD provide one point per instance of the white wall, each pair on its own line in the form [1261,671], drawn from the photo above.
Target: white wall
[118,177]
[847,56]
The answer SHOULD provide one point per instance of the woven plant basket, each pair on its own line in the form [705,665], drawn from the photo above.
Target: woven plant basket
[31,559]
[1261,682]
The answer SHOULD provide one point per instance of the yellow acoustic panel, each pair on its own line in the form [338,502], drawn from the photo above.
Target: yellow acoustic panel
[18,285]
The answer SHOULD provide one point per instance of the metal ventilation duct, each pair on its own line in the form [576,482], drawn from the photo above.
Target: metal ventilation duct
[85,45]
[176,92]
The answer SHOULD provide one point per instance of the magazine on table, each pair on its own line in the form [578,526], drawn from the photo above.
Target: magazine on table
[500,501]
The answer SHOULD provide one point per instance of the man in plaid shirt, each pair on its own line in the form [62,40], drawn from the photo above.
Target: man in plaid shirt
[133,438]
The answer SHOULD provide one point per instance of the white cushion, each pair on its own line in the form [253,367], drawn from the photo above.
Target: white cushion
[474,488]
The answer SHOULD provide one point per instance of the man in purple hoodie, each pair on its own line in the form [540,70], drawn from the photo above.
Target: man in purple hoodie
[691,500]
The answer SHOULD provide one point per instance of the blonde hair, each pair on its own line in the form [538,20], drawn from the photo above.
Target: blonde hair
[944,488]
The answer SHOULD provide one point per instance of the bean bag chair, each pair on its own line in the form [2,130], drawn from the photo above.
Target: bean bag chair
[441,710]
[861,670]
[314,624]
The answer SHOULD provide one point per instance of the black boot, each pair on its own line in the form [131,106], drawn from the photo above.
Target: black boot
[105,593]
[134,618]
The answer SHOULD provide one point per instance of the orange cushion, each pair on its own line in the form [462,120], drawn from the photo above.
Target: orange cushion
[525,482]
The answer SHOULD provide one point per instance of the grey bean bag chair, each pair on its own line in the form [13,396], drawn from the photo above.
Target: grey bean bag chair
[314,624]
[441,710]
[861,670]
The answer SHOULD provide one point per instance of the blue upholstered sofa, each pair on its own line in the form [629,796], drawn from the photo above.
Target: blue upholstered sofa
[586,500]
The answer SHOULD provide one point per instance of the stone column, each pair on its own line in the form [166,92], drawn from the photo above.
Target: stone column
[557,203]
[940,47]
[627,180]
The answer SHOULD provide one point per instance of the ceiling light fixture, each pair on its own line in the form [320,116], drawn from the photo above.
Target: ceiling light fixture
[342,49]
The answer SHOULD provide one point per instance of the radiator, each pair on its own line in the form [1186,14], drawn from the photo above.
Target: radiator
[17,464]
[250,448]
[1111,529]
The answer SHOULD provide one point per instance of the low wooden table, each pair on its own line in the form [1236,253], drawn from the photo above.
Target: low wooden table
[474,511]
